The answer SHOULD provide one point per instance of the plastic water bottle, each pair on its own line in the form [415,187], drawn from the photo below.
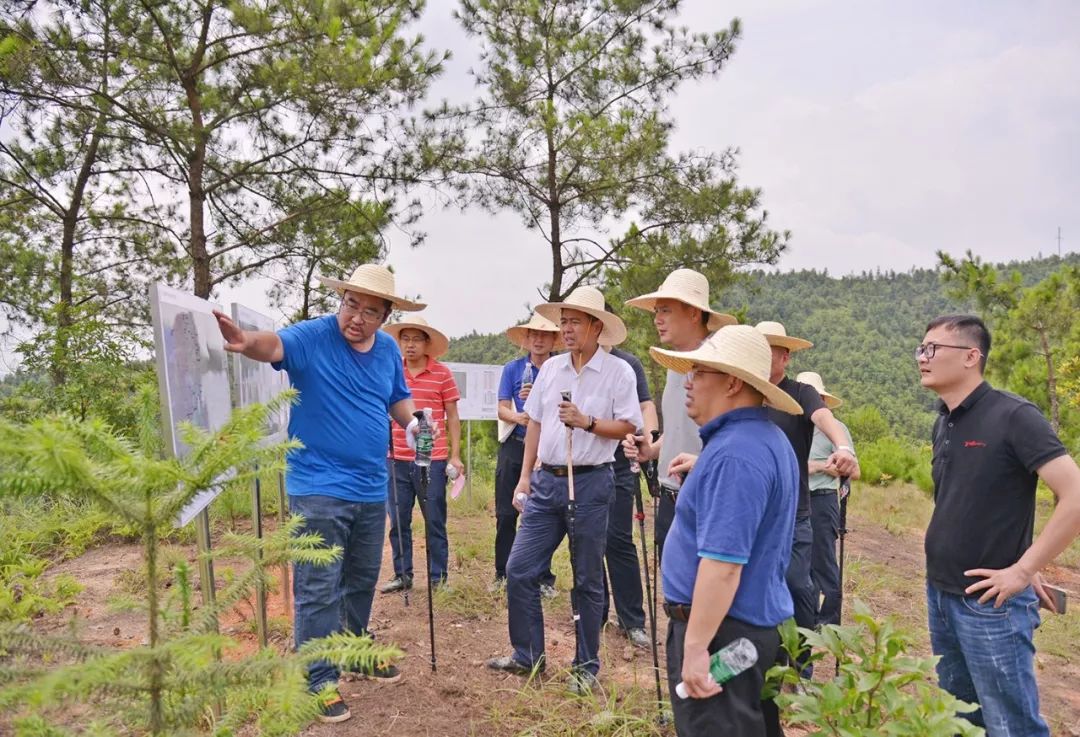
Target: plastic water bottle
[527,374]
[424,439]
[726,663]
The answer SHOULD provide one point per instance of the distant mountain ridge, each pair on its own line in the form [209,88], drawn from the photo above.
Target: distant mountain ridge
[864,328]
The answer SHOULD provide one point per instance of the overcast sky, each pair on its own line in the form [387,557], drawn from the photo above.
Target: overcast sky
[878,132]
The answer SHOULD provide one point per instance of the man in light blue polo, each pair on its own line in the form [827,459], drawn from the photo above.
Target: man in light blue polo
[602,410]
[729,544]
[350,377]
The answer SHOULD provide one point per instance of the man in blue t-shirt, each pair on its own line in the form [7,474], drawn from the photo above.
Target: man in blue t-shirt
[350,378]
[538,338]
[728,547]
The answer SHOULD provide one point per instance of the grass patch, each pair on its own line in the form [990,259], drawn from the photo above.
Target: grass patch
[1059,634]
[900,508]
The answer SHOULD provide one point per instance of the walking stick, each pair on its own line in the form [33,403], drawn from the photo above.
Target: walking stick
[423,494]
[570,510]
[649,590]
[397,512]
[845,491]
[651,472]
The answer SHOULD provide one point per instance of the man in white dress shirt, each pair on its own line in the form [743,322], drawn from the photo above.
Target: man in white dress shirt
[602,410]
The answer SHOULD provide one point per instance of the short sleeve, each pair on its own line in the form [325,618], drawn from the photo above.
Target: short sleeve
[1032,439]
[298,342]
[398,389]
[731,505]
[450,391]
[625,407]
[506,383]
[534,405]
[642,380]
[810,400]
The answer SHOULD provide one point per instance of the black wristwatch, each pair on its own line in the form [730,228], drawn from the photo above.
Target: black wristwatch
[592,424]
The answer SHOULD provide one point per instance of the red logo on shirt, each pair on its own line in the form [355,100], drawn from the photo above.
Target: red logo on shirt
[974,444]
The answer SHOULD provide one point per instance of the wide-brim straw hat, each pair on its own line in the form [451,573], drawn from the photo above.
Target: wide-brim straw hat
[689,287]
[812,378]
[378,281]
[520,333]
[776,334]
[739,350]
[590,301]
[438,344]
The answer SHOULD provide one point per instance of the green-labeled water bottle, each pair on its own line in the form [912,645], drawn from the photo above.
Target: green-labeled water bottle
[726,663]
[425,441]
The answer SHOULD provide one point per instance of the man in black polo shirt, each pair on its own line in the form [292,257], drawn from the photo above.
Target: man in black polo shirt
[800,433]
[983,585]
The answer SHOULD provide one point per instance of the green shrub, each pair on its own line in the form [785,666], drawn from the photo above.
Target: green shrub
[889,460]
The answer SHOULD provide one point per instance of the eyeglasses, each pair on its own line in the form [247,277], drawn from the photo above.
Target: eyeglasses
[929,349]
[367,314]
[696,371]
[413,338]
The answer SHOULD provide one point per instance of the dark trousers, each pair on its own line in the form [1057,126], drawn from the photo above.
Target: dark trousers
[621,554]
[507,473]
[737,711]
[824,570]
[543,527]
[799,582]
[665,515]
[407,492]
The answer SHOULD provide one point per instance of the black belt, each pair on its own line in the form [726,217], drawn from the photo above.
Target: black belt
[678,612]
[822,492]
[562,470]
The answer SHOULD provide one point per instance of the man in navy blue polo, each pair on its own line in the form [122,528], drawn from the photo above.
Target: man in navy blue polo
[729,545]
[603,408]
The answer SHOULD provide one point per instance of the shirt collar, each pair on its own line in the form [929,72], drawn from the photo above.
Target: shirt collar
[968,402]
[595,363]
[429,366]
[713,426]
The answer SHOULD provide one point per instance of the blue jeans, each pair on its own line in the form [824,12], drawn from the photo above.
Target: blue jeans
[406,475]
[988,658]
[543,526]
[622,554]
[330,598]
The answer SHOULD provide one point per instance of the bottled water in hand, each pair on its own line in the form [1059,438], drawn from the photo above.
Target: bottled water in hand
[425,440]
[726,663]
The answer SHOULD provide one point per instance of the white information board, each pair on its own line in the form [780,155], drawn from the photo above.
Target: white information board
[193,374]
[257,382]
[478,384]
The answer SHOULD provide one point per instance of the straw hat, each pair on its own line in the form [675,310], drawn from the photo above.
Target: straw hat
[590,301]
[690,288]
[775,333]
[812,378]
[520,333]
[739,350]
[378,281]
[438,344]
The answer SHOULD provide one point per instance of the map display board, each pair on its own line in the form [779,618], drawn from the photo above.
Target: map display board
[479,387]
[193,372]
[257,381]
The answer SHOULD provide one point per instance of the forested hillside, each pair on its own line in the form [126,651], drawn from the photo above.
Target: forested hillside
[864,330]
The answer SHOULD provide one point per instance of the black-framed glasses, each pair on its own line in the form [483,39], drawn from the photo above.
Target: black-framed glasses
[929,349]
[699,371]
[367,314]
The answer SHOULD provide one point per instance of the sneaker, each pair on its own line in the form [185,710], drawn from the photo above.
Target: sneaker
[547,591]
[508,664]
[383,673]
[497,586]
[333,708]
[582,682]
[397,583]
[638,637]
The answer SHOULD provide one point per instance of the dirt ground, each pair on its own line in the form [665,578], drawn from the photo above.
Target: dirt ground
[884,569]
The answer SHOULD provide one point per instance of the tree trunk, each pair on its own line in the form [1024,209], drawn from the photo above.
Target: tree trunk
[200,258]
[1051,380]
[554,206]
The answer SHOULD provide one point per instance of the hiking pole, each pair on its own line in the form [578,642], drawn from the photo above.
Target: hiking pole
[423,494]
[649,588]
[845,490]
[652,482]
[397,512]
[570,510]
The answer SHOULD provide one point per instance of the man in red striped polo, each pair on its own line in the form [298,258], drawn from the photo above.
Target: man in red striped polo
[432,387]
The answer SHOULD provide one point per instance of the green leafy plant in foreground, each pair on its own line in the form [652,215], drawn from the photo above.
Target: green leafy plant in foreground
[879,690]
[185,679]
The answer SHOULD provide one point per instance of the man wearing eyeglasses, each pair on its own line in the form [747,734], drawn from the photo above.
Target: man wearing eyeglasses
[350,377]
[982,567]
[433,388]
